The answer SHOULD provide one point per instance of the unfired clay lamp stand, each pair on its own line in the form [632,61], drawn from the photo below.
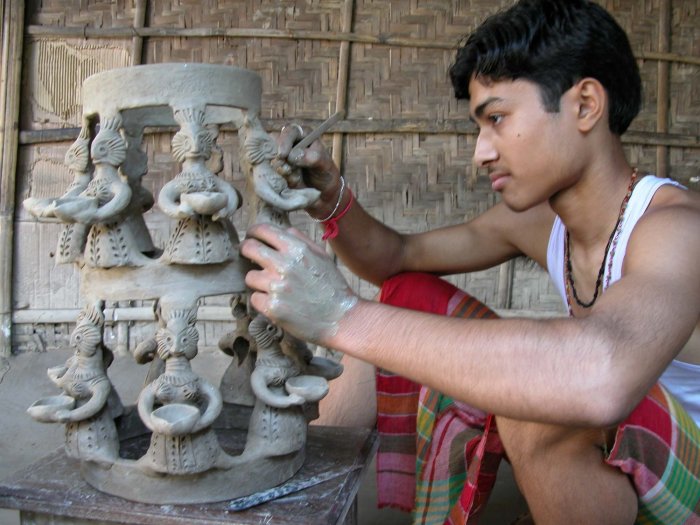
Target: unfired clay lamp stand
[276,378]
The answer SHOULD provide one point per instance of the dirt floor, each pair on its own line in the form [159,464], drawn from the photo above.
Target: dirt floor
[22,440]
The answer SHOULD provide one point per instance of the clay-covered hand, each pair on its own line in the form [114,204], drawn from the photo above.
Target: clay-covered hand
[317,167]
[298,286]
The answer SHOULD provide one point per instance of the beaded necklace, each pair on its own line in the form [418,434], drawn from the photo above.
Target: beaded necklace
[610,248]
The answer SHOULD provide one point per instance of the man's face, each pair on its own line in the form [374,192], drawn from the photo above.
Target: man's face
[523,147]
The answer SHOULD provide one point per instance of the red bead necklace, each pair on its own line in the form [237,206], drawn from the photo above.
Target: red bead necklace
[610,248]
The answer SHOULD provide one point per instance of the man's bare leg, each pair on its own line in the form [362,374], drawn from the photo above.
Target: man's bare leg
[561,473]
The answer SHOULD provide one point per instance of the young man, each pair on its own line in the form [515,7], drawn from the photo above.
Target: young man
[591,436]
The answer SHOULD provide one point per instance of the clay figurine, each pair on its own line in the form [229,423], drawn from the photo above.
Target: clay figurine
[179,407]
[89,404]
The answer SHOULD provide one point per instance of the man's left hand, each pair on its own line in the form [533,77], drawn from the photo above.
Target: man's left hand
[297,286]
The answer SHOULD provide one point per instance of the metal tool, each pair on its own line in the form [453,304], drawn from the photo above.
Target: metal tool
[317,132]
[290,487]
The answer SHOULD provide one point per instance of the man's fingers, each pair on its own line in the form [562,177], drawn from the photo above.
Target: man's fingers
[258,280]
[310,157]
[289,135]
[286,241]
[303,238]
[267,258]
[268,234]
[259,301]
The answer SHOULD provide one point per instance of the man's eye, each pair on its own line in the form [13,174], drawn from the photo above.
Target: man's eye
[495,118]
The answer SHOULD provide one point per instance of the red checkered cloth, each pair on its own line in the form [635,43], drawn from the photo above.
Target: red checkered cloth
[439,458]
[427,439]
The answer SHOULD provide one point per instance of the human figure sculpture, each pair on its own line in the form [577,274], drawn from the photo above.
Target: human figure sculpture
[105,234]
[197,198]
[235,382]
[179,407]
[277,425]
[276,198]
[103,219]
[91,403]
[106,207]
[72,238]
[147,350]
[108,193]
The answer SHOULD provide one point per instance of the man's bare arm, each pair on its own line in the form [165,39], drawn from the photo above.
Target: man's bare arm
[584,371]
[376,252]
[589,371]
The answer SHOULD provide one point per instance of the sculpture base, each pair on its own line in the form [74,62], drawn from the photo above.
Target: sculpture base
[52,491]
[242,475]
[246,476]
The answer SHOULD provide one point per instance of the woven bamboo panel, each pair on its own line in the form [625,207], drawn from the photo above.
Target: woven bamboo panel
[406,81]
[80,13]
[55,99]
[412,181]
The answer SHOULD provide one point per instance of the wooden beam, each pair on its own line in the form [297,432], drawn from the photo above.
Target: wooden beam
[285,34]
[10,81]
[379,126]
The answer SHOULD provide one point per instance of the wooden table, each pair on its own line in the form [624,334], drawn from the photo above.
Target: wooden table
[51,491]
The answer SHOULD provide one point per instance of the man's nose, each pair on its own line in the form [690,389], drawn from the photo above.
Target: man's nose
[484,152]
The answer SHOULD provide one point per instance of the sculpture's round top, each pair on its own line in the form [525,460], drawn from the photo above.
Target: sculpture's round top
[176,85]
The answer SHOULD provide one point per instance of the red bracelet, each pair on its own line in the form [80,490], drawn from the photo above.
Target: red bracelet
[331,225]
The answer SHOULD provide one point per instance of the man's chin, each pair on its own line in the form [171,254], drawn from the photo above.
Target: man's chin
[515,204]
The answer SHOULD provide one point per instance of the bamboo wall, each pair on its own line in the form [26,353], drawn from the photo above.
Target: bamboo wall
[404,145]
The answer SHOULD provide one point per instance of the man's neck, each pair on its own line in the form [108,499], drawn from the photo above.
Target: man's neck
[590,207]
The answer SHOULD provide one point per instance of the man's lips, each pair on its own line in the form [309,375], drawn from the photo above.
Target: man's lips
[498,179]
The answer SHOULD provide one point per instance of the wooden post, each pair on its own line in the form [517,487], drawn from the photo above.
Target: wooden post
[506,273]
[662,97]
[11,60]
[137,41]
[341,97]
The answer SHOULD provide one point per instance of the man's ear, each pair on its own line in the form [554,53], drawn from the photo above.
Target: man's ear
[591,101]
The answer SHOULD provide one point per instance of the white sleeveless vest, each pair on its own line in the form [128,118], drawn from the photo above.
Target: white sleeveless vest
[680,378]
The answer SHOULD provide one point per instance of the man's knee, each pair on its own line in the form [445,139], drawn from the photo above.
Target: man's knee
[528,443]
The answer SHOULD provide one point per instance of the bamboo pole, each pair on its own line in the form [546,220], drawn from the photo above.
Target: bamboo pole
[506,274]
[204,313]
[285,34]
[218,32]
[113,315]
[668,57]
[341,95]
[662,86]
[379,126]
[11,59]
[341,98]
[137,40]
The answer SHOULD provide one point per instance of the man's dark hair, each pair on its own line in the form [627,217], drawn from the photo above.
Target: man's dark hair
[554,43]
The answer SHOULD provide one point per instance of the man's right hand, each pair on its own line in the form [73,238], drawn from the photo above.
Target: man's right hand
[318,169]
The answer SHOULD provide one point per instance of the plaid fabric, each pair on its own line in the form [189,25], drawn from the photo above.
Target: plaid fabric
[427,439]
[397,402]
[439,457]
[397,397]
[658,446]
